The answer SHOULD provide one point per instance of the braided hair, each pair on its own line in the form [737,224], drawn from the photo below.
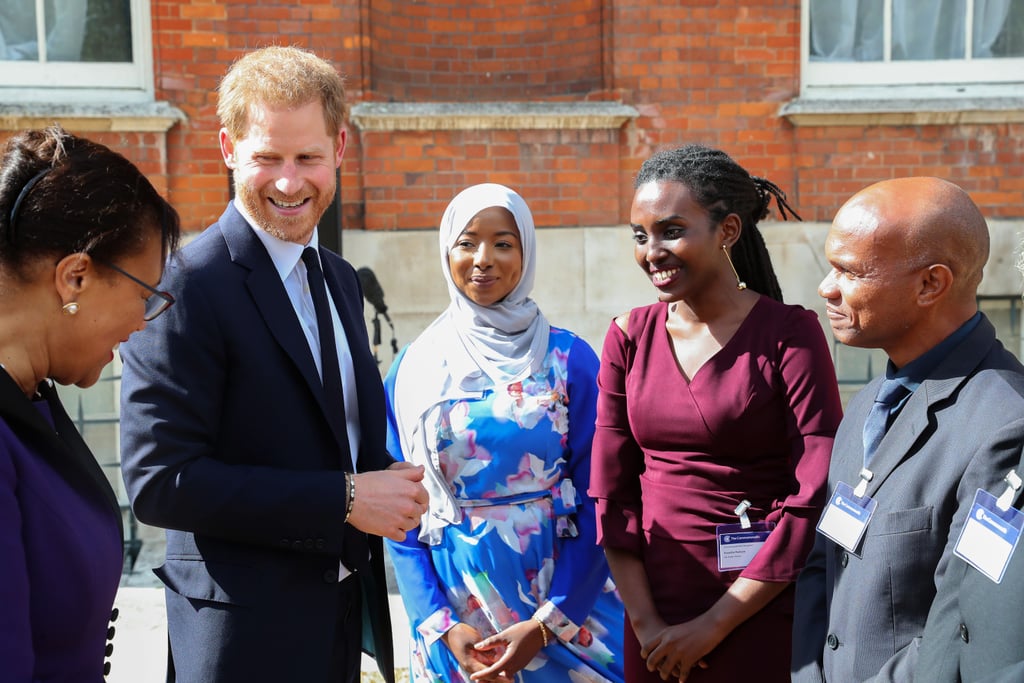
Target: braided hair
[722,187]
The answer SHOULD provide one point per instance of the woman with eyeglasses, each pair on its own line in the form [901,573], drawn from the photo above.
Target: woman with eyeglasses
[83,239]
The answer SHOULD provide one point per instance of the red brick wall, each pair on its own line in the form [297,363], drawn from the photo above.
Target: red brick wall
[713,71]
[411,176]
[986,160]
[452,50]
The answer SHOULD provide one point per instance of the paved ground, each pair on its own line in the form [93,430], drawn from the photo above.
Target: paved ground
[140,645]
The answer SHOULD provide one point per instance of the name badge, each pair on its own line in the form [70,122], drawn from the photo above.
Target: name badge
[737,544]
[989,536]
[847,516]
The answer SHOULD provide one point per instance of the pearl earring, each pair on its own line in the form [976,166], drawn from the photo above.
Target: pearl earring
[70,308]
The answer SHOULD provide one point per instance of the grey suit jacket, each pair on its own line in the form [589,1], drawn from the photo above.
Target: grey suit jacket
[859,616]
[975,630]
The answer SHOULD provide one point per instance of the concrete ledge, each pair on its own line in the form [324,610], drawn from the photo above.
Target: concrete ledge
[392,116]
[150,117]
[817,111]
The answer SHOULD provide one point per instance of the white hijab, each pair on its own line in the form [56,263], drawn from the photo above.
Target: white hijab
[468,349]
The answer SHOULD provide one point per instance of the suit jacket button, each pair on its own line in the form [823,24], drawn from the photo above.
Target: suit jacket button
[964,635]
[297,545]
[106,668]
[110,633]
[309,544]
[320,544]
[285,542]
[113,614]
[109,650]
[845,559]
[832,641]
[331,576]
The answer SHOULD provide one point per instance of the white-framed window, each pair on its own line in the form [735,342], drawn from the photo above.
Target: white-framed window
[865,43]
[82,49]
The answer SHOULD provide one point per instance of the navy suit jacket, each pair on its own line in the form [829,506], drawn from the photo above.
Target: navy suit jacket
[227,444]
[859,616]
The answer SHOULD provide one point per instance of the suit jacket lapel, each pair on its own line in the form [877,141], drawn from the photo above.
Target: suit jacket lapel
[915,417]
[270,298]
[269,295]
[60,445]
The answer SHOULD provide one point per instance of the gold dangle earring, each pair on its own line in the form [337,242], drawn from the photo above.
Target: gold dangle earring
[740,284]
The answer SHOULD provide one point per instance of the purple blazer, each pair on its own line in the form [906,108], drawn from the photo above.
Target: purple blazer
[61,551]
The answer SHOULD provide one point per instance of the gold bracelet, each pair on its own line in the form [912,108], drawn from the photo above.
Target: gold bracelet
[543,630]
[350,479]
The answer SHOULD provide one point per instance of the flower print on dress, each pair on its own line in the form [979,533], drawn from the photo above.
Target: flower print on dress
[529,402]
[513,524]
[517,406]
[463,460]
[558,361]
[558,413]
[531,475]
[437,624]
[485,597]
[540,583]
[457,418]
[516,523]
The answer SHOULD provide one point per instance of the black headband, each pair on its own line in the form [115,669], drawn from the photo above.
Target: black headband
[21,198]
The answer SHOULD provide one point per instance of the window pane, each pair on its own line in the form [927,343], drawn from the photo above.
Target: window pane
[75,30]
[998,28]
[18,29]
[846,30]
[929,29]
[922,30]
[108,36]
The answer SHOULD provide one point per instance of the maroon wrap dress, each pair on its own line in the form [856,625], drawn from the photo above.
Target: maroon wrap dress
[673,457]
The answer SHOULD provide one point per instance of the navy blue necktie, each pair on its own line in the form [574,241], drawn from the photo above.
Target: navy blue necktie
[330,371]
[355,550]
[890,393]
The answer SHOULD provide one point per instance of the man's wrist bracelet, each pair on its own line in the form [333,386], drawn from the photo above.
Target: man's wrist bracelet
[350,479]
[543,630]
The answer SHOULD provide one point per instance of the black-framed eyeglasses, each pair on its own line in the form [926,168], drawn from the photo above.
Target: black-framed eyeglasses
[156,303]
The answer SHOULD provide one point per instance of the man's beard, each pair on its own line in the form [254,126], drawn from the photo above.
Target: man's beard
[288,229]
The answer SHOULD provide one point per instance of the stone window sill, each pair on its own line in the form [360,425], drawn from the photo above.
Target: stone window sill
[156,117]
[913,107]
[401,116]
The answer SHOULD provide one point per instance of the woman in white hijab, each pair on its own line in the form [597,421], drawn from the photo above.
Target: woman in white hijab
[503,579]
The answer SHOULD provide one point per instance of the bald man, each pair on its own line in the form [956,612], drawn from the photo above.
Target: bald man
[916,444]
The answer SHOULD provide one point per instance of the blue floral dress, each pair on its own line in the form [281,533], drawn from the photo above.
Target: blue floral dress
[517,461]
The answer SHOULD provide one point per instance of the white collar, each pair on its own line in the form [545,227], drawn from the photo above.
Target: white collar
[285,255]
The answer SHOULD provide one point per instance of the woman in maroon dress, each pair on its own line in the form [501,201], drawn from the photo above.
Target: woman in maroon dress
[716,396]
